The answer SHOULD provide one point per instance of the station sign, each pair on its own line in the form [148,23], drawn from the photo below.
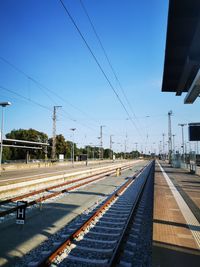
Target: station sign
[21,212]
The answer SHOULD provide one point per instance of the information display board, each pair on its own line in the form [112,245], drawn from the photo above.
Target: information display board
[194,131]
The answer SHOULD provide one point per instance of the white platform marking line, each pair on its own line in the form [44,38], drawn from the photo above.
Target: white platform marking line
[187,213]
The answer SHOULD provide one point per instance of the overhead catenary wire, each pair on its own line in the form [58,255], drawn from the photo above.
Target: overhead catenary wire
[107,58]
[41,105]
[25,98]
[27,76]
[44,87]
[97,62]
[41,86]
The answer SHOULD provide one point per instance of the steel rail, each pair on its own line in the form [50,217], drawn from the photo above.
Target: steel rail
[43,198]
[119,248]
[35,192]
[58,251]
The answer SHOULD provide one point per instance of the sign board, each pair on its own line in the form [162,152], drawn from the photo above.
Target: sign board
[21,212]
[194,131]
[61,157]
[83,157]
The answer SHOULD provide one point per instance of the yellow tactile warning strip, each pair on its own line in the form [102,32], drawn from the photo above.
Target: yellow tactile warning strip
[191,221]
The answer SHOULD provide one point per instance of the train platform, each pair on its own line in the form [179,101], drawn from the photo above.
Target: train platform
[14,183]
[176,217]
[30,172]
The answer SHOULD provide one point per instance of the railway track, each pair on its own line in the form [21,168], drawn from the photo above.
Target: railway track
[9,206]
[135,245]
[97,238]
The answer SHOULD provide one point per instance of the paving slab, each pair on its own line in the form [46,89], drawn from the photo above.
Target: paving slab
[174,243]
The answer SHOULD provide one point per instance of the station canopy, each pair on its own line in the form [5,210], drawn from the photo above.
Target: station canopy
[182,52]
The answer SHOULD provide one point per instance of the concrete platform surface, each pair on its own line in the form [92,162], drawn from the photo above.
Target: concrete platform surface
[176,228]
[20,175]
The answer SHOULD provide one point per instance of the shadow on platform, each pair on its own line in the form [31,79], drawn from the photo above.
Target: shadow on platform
[88,193]
[190,182]
[188,226]
[169,255]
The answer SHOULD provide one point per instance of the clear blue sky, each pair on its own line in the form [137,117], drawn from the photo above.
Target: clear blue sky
[38,38]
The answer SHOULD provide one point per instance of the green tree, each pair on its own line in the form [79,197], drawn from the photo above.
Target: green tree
[106,153]
[62,147]
[6,154]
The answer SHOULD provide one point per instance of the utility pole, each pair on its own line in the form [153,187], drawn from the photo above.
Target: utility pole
[101,140]
[72,151]
[169,136]
[136,152]
[197,147]
[160,148]
[99,148]
[136,146]
[163,150]
[154,148]
[3,105]
[111,142]
[53,152]
[125,147]
[182,125]
[92,146]
[173,142]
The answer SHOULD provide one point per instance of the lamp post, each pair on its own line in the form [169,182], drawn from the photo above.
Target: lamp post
[182,125]
[163,150]
[169,137]
[3,105]
[72,154]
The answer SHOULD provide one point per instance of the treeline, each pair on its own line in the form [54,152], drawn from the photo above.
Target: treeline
[63,146]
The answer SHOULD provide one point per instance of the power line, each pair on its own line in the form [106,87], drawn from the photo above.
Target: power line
[108,60]
[92,53]
[40,105]
[106,55]
[80,123]
[96,60]
[42,86]
[27,76]
[25,98]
